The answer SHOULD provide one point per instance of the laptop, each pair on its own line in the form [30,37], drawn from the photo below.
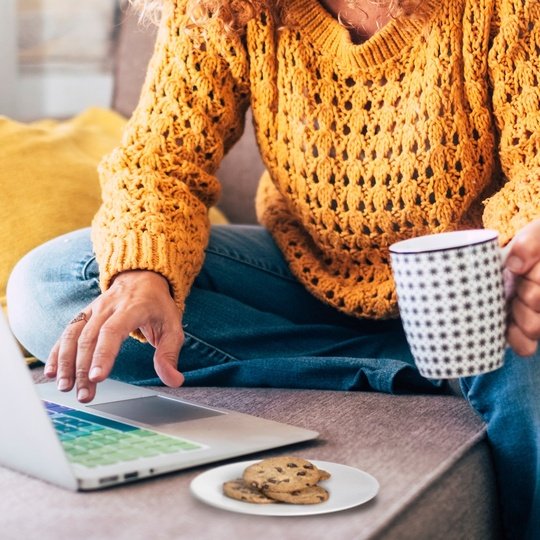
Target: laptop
[125,434]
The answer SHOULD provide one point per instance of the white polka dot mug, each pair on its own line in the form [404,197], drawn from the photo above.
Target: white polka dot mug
[451,301]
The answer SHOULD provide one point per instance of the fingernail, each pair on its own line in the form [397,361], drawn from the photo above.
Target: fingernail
[514,264]
[95,372]
[49,370]
[62,384]
[83,394]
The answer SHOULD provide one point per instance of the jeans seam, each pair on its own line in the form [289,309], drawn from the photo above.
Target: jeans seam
[86,264]
[212,348]
[480,410]
[251,263]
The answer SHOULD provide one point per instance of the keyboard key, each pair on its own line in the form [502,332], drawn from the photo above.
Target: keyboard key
[100,420]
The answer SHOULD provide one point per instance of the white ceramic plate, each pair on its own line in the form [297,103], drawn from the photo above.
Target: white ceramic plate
[348,487]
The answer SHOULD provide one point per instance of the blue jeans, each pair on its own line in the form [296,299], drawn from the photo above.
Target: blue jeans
[248,322]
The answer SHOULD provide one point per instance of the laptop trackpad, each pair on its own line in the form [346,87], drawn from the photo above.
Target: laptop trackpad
[155,410]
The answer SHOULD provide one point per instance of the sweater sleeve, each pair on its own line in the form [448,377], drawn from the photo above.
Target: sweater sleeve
[514,64]
[158,185]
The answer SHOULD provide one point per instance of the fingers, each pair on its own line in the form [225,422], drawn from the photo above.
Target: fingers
[524,262]
[86,389]
[51,365]
[524,329]
[520,343]
[67,351]
[85,353]
[97,348]
[527,288]
[88,351]
[71,357]
[166,357]
[111,336]
[525,249]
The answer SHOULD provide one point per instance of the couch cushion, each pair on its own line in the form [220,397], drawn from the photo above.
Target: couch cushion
[428,453]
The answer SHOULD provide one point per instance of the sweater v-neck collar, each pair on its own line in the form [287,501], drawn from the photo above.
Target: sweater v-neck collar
[326,33]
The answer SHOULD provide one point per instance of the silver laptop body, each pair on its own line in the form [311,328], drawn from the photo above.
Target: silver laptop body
[191,434]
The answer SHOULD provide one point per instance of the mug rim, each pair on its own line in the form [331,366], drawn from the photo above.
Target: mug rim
[451,240]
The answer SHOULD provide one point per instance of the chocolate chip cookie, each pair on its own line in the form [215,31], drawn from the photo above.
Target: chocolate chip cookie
[309,495]
[237,489]
[282,474]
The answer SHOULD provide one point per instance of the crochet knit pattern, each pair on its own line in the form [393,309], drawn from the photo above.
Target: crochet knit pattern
[409,133]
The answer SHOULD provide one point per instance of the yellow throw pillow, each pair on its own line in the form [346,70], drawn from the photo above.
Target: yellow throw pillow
[48,180]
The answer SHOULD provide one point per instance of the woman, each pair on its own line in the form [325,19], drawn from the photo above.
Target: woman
[377,121]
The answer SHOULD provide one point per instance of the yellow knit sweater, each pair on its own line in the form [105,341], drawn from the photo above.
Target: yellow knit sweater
[411,132]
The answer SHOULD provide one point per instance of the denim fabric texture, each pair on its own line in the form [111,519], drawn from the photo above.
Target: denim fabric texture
[248,322]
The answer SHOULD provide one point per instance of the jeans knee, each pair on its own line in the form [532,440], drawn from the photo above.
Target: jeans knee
[21,296]
[44,291]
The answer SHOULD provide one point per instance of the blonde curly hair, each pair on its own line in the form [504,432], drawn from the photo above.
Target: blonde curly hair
[236,13]
[233,14]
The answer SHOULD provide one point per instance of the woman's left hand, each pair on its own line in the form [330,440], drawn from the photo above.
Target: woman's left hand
[522,277]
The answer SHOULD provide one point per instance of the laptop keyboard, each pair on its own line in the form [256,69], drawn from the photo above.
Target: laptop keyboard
[92,440]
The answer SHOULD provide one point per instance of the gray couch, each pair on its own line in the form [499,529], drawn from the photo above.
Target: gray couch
[429,453]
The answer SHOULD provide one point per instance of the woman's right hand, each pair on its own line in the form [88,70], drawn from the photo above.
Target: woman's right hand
[85,353]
